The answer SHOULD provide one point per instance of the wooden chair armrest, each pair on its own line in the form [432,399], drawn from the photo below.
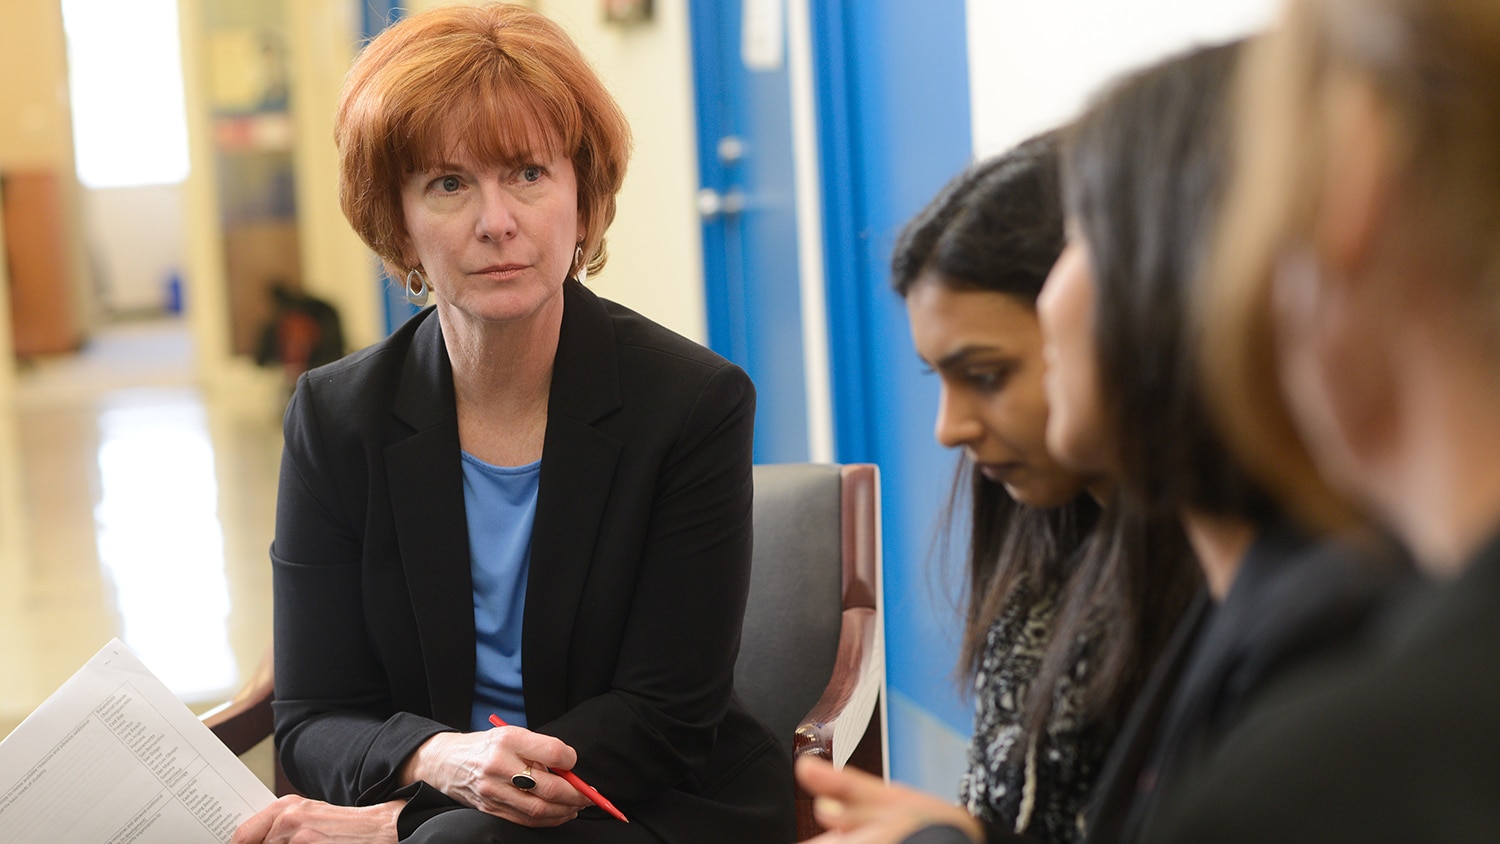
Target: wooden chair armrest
[860,493]
[837,721]
[244,720]
[843,726]
[835,724]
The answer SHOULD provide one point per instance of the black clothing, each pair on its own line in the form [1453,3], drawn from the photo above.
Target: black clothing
[1399,745]
[1291,599]
[639,572]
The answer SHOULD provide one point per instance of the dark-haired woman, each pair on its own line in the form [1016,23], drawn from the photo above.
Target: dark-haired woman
[1141,175]
[1067,602]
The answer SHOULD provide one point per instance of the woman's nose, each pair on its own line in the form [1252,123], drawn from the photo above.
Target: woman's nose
[956,423]
[497,220]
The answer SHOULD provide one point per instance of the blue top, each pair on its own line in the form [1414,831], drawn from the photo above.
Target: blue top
[500,502]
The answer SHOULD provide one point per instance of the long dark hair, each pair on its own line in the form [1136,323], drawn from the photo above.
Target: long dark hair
[1143,169]
[997,227]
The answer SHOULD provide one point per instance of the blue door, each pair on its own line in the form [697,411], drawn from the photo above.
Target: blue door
[749,217]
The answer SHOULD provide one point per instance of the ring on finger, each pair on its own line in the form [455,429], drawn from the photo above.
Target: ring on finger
[524,780]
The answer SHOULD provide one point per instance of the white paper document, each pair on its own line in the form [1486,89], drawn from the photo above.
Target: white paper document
[113,757]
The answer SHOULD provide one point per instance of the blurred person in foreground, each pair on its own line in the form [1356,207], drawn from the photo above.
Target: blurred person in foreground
[1353,345]
[1142,174]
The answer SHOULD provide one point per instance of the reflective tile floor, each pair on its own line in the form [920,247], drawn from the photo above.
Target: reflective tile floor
[133,504]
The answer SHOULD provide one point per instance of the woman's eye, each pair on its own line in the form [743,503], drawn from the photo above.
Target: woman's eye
[531,174]
[449,184]
[988,379]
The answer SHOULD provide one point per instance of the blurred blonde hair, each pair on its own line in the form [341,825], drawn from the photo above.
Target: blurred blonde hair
[1434,67]
[503,79]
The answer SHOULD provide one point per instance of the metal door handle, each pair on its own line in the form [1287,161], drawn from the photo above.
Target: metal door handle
[712,204]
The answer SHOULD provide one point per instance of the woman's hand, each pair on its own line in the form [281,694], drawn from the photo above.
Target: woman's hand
[297,820]
[475,769]
[858,808]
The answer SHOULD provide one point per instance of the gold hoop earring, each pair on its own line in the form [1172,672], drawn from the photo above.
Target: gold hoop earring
[582,273]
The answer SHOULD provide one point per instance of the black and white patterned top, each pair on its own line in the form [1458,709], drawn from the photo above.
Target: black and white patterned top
[1035,785]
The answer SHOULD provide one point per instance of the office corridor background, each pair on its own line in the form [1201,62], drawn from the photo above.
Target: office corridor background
[135,506]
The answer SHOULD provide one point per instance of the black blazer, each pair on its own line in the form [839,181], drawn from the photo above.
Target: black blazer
[1292,599]
[1399,745]
[639,572]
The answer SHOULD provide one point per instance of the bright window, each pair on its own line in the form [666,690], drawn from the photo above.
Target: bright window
[125,76]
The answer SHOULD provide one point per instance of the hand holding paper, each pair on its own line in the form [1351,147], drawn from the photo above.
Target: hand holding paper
[114,757]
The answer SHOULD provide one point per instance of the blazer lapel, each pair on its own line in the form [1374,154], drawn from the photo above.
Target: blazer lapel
[578,465]
[426,488]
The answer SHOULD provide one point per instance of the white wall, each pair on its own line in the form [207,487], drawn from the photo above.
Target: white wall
[205,297]
[1033,65]
[655,245]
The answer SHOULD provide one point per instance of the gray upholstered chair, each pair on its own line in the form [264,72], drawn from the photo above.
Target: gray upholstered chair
[812,657]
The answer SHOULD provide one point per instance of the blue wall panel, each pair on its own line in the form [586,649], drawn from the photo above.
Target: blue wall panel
[893,104]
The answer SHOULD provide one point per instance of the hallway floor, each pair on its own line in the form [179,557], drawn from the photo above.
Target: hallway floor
[133,504]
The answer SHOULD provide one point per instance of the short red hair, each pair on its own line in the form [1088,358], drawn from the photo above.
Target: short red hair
[508,82]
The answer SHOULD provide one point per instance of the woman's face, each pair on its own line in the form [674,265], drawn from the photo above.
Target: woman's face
[1075,433]
[987,350]
[496,243]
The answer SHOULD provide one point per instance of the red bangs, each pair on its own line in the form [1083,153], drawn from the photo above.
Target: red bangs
[502,112]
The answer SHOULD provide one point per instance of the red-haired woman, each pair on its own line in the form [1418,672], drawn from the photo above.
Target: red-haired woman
[528,501]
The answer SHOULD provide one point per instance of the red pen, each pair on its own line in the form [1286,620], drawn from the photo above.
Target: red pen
[573,779]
